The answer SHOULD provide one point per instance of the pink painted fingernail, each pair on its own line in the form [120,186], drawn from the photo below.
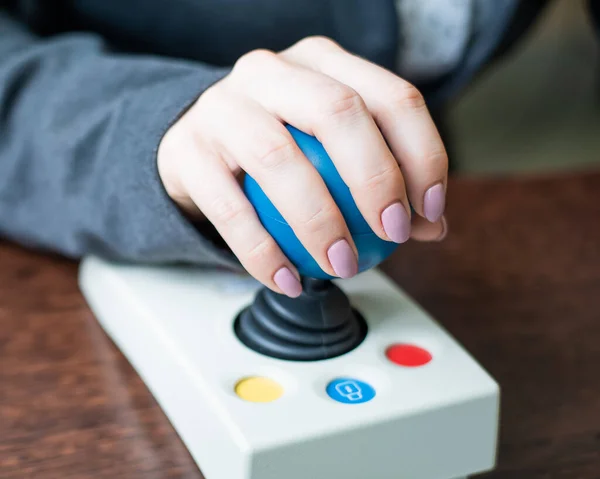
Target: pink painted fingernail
[342,259]
[396,223]
[287,282]
[434,203]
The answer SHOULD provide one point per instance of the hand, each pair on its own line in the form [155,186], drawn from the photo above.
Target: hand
[374,125]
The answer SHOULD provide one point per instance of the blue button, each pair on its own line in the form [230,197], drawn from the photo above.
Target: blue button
[350,391]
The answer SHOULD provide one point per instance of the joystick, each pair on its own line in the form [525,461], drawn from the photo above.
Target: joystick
[320,324]
[372,250]
[245,375]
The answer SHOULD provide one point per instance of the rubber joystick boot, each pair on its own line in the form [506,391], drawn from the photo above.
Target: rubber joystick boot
[319,324]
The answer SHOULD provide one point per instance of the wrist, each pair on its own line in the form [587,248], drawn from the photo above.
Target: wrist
[168,155]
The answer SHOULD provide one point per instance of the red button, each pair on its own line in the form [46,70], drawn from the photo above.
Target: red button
[408,355]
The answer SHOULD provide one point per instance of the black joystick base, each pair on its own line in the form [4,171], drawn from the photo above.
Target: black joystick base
[319,324]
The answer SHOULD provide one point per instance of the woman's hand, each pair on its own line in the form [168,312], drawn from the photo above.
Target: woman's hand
[375,127]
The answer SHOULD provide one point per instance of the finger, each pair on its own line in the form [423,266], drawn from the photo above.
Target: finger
[339,118]
[424,230]
[213,188]
[399,110]
[264,148]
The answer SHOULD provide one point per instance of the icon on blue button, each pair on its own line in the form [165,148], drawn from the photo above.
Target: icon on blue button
[350,391]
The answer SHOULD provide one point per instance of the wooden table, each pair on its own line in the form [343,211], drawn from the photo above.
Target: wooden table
[517,282]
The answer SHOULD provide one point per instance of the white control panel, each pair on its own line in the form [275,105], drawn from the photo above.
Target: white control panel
[408,403]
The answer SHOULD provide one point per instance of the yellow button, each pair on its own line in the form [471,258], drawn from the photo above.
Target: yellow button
[258,389]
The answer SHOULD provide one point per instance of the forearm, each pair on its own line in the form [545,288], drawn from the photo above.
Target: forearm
[80,128]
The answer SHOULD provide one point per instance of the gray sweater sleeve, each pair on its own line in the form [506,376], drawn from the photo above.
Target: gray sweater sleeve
[79,131]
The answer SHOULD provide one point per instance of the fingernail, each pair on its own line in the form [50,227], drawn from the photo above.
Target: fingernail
[444,232]
[434,203]
[396,223]
[287,282]
[342,259]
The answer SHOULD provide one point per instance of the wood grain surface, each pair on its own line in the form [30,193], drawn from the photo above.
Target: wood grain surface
[517,282]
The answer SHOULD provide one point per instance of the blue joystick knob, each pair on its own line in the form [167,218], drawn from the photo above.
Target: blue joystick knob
[372,250]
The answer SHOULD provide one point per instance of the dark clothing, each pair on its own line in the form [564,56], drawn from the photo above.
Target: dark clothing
[88,88]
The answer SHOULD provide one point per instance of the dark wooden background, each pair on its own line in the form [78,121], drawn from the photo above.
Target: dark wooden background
[517,282]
